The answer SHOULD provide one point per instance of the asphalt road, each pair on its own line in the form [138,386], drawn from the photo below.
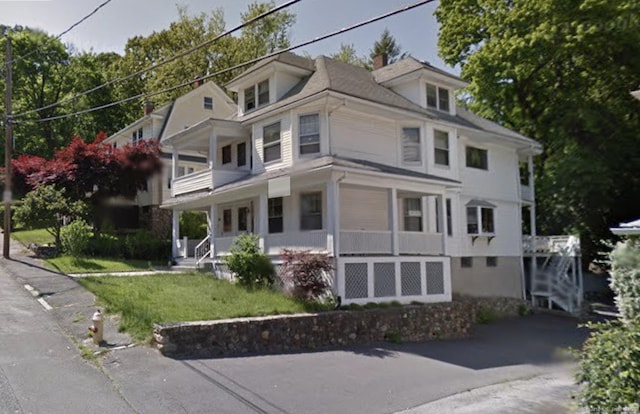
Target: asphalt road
[41,370]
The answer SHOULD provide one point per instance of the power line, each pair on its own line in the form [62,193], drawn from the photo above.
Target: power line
[73,26]
[168,60]
[248,62]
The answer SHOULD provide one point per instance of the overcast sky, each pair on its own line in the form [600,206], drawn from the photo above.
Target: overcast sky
[108,30]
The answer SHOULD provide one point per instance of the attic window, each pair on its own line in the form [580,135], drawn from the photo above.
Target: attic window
[208,102]
[437,97]
[261,91]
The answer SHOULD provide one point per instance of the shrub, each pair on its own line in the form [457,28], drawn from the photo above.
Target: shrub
[193,225]
[144,246]
[610,368]
[251,267]
[107,245]
[307,274]
[75,238]
[625,278]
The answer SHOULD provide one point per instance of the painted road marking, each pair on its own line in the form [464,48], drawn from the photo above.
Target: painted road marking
[36,294]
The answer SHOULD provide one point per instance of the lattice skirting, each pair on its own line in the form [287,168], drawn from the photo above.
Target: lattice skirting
[384,279]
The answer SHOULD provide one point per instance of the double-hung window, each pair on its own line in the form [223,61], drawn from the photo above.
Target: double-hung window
[136,135]
[271,142]
[441,147]
[275,215]
[309,134]
[256,95]
[208,102]
[412,214]
[263,92]
[480,219]
[411,145]
[477,158]
[437,97]
[250,98]
[311,211]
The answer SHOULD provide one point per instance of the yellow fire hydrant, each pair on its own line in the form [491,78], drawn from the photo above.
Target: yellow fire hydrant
[97,327]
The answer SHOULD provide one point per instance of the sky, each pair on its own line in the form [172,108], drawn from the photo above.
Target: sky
[108,30]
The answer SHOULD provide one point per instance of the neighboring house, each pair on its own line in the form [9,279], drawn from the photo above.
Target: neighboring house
[413,197]
[204,100]
[631,228]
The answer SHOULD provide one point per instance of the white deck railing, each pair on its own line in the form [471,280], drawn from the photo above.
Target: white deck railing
[365,242]
[305,240]
[204,180]
[549,244]
[420,243]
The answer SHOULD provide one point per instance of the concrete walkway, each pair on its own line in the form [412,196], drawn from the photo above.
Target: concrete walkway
[512,363]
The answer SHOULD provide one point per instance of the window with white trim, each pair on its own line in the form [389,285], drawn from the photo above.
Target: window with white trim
[437,97]
[263,92]
[411,145]
[441,147]
[208,102]
[309,133]
[275,215]
[226,154]
[480,220]
[271,142]
[136,135]
[477,158]
[227,224]
[250,98]
[412,212]
[311,211]
[241,149]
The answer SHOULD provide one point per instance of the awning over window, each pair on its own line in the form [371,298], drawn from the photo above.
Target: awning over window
[480,203]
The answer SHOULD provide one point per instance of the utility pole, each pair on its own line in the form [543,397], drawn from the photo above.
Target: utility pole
[8,147]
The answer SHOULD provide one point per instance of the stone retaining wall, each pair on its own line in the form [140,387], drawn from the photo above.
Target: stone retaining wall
[284,333]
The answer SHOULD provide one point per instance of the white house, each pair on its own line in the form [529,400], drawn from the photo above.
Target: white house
[206,99]
[413,197]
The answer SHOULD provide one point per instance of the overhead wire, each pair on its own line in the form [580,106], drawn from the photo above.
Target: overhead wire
[70,28]
[165,61]
[240,65]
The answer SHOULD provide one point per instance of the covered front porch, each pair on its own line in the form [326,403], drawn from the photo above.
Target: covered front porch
[388,231]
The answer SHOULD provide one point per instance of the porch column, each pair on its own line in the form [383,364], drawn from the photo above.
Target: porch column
[175,232]
[440,221]
[532,224]
[393,221]
[213,226]
[213,152]
[424,205]
[263,219]
[175,161]
[333,218]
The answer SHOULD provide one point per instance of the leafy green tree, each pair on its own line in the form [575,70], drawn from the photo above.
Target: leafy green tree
[348,54]
[46,207]
[559,71]
[625,278]
[388,46]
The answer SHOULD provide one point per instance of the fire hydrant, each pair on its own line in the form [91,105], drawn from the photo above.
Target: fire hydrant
[97,327]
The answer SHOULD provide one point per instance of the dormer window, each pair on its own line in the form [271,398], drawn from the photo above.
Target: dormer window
[437,97]
[136,135]
[261,90]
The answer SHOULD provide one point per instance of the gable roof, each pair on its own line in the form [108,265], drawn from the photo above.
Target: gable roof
[286,58]
[406,66]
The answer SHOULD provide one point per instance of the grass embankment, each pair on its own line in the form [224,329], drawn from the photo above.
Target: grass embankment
[165,298]
[69,264]
[37,236]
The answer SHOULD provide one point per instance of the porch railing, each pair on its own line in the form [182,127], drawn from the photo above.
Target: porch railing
[205,179]
[202,250]
[420,243]
[359,242]
[304,240]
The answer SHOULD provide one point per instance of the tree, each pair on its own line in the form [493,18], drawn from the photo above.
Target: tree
[386,45]
[559,71]
[347,54]
[46,207]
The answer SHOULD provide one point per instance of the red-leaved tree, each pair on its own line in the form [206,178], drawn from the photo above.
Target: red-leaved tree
[91,171]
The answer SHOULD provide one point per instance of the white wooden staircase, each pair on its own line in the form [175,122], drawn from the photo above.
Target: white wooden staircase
[558,282]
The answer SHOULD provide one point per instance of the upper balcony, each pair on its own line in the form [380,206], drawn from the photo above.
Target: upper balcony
[207,179]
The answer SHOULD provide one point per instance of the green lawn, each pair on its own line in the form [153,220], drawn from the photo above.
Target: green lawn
[163,298]
[38,236]
[68,264]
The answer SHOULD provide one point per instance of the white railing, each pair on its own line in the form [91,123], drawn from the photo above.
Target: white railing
[204,180]
[199,180]
[202,250]
[361,242]
[526,193]
[222,245]
[550,244]
[420,243]
[304,240]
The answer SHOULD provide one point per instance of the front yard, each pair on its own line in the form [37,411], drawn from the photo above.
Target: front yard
[70,265]
[164,298]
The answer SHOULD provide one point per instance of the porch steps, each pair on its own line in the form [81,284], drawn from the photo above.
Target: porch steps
[186,265]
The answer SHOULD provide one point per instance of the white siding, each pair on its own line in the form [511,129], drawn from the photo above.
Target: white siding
[411,91]
[364,209]
[364,137]
[283,82]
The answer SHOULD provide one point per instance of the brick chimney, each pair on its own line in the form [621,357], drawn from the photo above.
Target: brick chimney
[148,107]
[380,61]
[197,82]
